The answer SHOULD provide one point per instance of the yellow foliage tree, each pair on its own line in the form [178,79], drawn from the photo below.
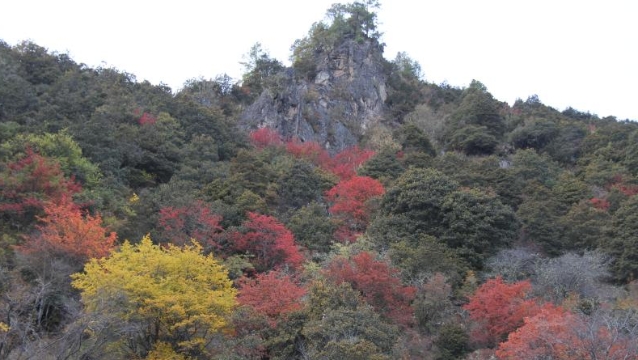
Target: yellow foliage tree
[164,296]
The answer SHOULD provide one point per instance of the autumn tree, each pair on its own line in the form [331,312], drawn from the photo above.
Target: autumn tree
[178,225]
[268,241]
[309,150]
[498,309]
[66,231]
[27,184]
[59,147]
[555,333]
[265,137]
[345,163]
[174,296]
[273,294]
[379,284]
[351,203]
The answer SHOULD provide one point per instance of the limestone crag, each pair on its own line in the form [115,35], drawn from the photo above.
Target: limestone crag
[343,99]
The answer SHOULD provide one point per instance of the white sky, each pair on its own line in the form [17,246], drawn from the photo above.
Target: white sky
[582,54]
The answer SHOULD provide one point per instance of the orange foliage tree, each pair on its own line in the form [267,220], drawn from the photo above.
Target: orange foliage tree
[68,231]
[273,294]
[379,284]
[498,309]
[555,333]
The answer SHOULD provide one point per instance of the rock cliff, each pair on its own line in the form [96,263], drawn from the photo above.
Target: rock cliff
[344,97]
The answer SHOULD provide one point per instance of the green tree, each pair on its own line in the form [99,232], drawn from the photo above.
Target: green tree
[313,228]
[585,227]
[60,147]
[539,215]
[418,195]
[412,138]
[476,125]
[477,224]
[301,184]
[405,85]
[259,69]
[383,166]
[623,245]
[452,342]
[342,326]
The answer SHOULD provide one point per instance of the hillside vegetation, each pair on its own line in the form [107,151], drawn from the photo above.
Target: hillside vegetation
[341,208]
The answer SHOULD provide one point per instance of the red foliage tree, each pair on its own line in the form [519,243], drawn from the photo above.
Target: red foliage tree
[65,230]
[29,183]
[498,309]
[620,184]
[351,204]
[379,284]
[598,203]
[270,243]
[265,137]
[345,163]
[147,119]
[273,294]
[310,151]
[178,225]
[555,333]
[547,335]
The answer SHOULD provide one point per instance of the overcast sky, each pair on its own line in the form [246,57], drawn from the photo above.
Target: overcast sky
[582,54]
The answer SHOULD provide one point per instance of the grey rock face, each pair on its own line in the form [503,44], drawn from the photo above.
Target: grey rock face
[336,108]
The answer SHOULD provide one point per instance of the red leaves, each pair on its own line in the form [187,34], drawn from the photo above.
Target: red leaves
[555,333]
[273,294]
[378,282]
[268,240]
[499,308]
[66,230]
[31,182]
[350,203]
[265,137]
[147,119]
[548,334]
[310,151]
[196,221]
[620,184]
[600,204]
[345,163]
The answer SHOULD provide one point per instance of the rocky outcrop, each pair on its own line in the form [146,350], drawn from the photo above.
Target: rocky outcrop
[345,97]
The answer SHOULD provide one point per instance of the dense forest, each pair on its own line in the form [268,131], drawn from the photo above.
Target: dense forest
[411,221]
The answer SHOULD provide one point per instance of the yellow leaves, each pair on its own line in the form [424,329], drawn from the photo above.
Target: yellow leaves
[4,327]
[163,351]
[134,198]
[178,288]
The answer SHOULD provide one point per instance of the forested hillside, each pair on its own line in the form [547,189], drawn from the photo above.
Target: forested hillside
[340,208]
